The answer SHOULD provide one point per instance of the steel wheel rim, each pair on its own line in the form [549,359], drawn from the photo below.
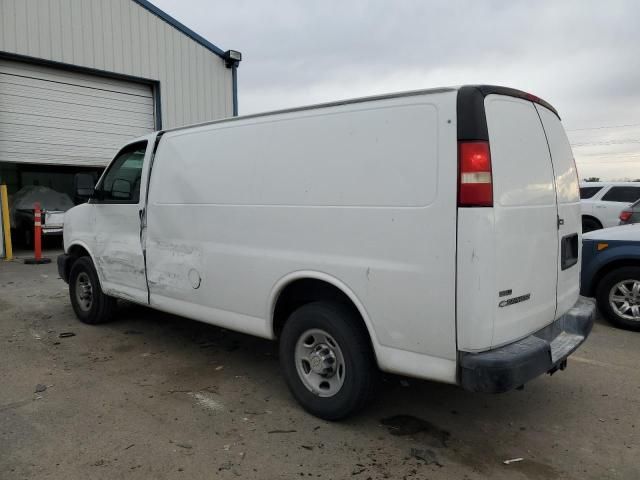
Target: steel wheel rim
[320,363]
[624,299]
[84,292]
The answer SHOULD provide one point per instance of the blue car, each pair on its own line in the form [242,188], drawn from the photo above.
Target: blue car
[611,273]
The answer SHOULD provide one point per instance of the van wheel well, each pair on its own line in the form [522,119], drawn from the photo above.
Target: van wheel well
[609,267]
[75,251]
[78,251]
[303,291]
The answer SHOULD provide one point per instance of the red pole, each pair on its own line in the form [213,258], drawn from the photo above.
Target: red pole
[37,231]
[37,238]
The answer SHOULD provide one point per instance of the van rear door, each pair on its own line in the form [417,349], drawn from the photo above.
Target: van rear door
[519,249]
[525,219]
[569,218]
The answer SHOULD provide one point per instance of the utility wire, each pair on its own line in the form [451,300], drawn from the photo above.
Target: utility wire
[602,127]
[611,154]
[606,142]
[607,162]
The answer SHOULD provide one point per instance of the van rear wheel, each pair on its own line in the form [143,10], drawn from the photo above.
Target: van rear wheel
[618,296]
[89,302]
[327,360]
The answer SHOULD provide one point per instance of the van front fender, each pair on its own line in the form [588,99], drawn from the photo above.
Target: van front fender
[70,252]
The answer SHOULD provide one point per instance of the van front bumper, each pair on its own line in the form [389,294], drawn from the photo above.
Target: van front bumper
[63,266]
[544,351]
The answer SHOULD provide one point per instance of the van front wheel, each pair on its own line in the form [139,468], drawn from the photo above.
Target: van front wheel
[327,360]
[89,303]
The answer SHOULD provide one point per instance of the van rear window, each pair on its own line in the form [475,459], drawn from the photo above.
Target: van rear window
[588,192]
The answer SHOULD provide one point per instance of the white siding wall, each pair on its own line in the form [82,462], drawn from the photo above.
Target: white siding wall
[121,36]
[58,117]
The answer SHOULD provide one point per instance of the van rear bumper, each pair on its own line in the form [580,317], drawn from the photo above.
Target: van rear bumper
[546,350]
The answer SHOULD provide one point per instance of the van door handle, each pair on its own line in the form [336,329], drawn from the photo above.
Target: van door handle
[560,222]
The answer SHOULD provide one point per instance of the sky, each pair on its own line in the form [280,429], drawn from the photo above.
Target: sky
[582,56]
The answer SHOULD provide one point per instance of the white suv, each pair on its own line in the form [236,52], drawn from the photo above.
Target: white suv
[602,202]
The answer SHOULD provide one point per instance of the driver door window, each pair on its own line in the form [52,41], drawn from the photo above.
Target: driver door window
[121,183]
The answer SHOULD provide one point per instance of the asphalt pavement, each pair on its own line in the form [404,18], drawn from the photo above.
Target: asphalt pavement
[152,395]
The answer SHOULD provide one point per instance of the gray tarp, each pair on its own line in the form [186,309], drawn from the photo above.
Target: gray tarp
[49,200]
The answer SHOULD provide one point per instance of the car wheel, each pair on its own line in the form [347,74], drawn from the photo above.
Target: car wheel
[590,224]
[89,303]
[327,360]
[618,296]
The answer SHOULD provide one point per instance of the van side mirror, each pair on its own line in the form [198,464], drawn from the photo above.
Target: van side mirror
[83,187]
[121,189]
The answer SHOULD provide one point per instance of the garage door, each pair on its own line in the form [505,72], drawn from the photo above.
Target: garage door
[58,117]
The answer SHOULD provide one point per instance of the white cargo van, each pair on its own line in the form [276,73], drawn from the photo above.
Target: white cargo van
[434,234]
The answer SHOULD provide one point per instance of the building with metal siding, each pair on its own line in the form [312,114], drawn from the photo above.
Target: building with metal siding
[80,77]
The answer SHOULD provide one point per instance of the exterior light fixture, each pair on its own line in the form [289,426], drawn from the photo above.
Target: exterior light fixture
[232,58]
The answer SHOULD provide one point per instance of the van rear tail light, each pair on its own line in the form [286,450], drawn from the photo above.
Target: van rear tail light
[475,185]
[625,215]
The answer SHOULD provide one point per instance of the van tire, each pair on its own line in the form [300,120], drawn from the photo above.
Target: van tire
[589,224]
[83,281]
[602,296]
[354,351]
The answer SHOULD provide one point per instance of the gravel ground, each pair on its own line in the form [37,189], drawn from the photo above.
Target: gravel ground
[152,395]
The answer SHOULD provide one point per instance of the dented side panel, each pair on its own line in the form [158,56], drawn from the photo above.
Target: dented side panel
[118,252]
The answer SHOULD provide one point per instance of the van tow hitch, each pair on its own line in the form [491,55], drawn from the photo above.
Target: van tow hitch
[560,366]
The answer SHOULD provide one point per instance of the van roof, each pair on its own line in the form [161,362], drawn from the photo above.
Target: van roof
[472,120]
[477,91]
